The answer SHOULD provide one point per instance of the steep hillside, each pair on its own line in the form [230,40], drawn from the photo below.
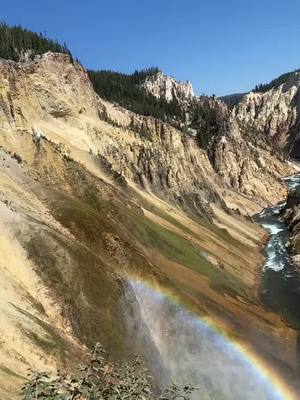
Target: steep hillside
[291,215]
[273,113]
[150,92]
[128,91]
[92,194]
[232,99]
[284,79]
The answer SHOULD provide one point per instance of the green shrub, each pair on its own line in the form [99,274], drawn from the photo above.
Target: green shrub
[101,379]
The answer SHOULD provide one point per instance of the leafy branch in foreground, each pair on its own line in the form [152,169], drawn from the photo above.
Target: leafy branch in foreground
[101,379]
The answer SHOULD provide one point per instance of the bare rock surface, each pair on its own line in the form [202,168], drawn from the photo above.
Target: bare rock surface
[163,86]
[90,192]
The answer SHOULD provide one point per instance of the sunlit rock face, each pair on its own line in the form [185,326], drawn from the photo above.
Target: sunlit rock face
[291,215]
[59,104]
[272,115]
[269,112]
[166,87]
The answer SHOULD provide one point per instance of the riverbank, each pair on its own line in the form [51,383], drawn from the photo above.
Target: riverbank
[291,216]
[280,281]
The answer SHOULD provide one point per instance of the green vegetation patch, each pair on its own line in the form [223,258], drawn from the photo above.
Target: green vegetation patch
[177,249]
[128,223]
[101,378]
[51,342]
[125,89]
[91,217]
[275,83]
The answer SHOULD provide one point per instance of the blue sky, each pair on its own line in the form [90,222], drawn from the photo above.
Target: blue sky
[222,46]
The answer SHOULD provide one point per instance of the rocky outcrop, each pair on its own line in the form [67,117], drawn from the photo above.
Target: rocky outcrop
[246,165]
[166,87]
[272,115]
[291,215]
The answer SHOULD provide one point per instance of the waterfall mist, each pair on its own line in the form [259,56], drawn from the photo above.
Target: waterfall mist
[180,347]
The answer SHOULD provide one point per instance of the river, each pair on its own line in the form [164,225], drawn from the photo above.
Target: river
[280,287]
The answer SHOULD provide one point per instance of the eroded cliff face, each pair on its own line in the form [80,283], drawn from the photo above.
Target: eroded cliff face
[91,192]
[239,142]
[163,86]
[291,215]
[273,115]
[247,165]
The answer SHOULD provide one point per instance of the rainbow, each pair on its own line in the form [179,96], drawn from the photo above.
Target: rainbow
[276,388]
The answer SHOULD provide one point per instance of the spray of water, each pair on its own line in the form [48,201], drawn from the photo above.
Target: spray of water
[185,349]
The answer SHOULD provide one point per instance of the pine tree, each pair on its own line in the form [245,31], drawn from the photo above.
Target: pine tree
[125,90]
[16,41]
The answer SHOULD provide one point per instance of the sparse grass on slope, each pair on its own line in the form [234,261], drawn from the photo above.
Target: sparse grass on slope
[91,218]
